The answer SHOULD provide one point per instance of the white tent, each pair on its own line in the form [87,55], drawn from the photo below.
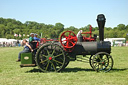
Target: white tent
[7,40]
[115,40]
[3,40]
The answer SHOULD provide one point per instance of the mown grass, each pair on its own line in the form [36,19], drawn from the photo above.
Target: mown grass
[77,73]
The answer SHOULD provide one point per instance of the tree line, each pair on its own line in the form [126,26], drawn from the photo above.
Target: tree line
[9,27]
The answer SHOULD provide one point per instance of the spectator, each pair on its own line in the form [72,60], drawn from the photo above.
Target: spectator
[3,44]
[17,43]
[27,48]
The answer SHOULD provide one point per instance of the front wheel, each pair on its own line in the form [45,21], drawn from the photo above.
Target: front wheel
[90,61]
[102,61]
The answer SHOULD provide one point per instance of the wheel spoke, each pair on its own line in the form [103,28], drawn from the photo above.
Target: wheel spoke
[43,61]
[64,35]
[47,51]
[53,66]
[47,67]
[74,38]
[106,58]
[99,57]
[58,61]
[58,55]
[106,61]
[94,62]
[61,58]
[44,55]
[96,65]
[67,44]
[53,50]
[101,67]
[65,40]
[72,43]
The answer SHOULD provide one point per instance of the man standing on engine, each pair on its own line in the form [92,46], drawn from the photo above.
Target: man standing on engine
[35,37]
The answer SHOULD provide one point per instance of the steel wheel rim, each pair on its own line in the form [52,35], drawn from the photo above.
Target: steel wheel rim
[90,61]
[50,58]
[102,62]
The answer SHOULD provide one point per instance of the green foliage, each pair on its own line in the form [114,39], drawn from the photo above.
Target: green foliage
[8,27]
[121,27]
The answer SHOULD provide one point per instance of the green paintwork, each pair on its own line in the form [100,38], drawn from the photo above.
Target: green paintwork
[26,58]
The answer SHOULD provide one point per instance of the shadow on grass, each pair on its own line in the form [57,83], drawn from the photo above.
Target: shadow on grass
[116,69]
[68,70]
[76,69]
[34,70]
[63,71]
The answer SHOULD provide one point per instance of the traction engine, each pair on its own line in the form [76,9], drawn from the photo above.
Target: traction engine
[54,57]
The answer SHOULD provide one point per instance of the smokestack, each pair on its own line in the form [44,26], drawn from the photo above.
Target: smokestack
[101,22]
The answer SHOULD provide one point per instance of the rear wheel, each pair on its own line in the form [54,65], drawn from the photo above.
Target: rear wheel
[67,60]
[50,58]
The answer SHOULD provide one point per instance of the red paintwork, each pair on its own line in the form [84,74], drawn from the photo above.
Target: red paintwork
[90,38]
[69,42]
[44,40]
[50,58]
[37,45]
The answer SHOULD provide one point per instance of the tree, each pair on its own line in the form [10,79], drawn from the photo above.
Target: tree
[2,30]
[121,27]
[108,28]
[8,27]
[9,36]
[126,27]
[58,28]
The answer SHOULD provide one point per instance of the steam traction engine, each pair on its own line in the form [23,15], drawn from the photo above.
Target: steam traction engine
[52,57]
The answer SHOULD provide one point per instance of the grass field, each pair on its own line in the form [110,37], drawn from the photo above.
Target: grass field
[77,73]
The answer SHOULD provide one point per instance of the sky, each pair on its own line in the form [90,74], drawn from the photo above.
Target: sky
[77,13]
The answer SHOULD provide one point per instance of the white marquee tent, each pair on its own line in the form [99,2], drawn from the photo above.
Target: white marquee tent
[7,40]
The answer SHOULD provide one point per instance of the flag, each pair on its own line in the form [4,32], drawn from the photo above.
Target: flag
[15,35]
[19,35]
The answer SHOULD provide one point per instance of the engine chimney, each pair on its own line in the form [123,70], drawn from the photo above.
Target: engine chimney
[101,22]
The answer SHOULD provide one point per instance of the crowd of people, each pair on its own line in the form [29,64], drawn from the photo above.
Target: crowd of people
[10,44]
